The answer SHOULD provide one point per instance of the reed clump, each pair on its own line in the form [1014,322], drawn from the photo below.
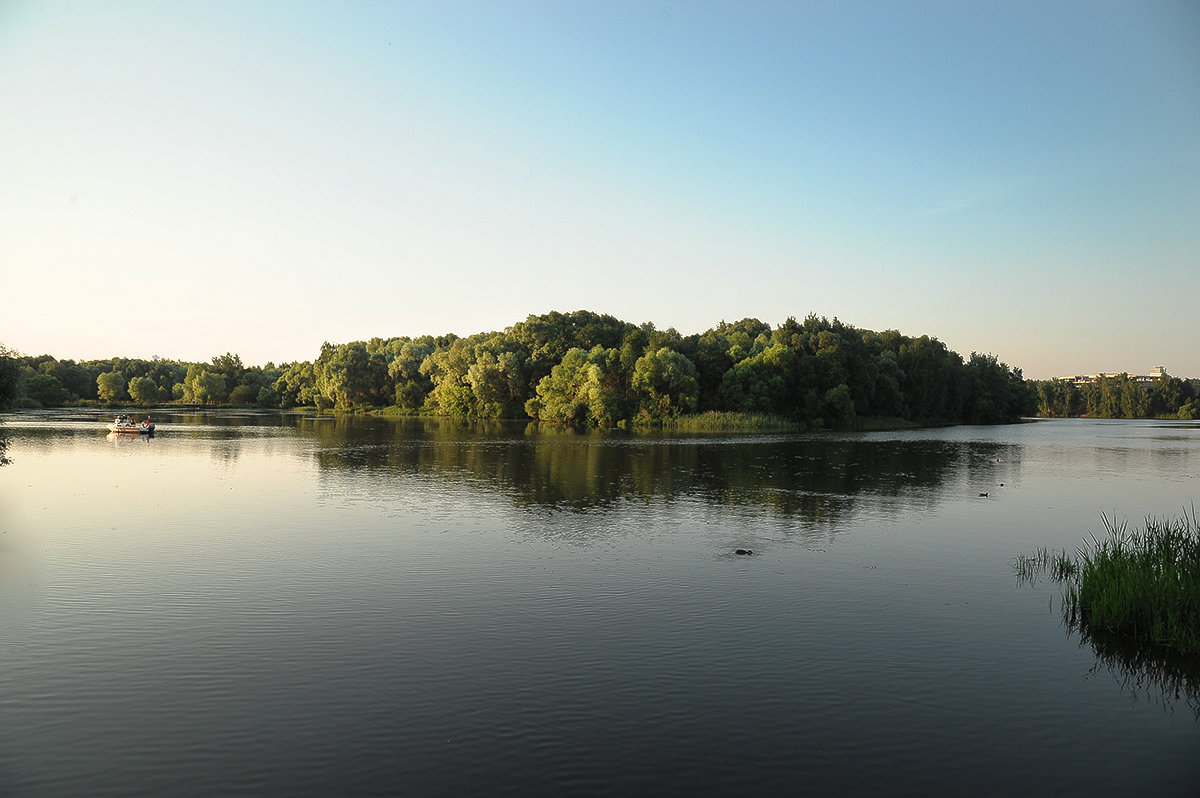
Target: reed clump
[1143,584]
[717,421]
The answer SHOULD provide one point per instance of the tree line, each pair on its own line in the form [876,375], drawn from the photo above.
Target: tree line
[1120,396]
[582,368]
[45,381]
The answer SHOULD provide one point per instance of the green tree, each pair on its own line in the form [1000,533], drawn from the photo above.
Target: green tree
[411,386]
[889,379]
[933,378]
[349,376]
[166,373]
[1057,398]
[497,384]
[447,369]
[1112,391]
[585,388]
[761,383]
[296,385]
[229,367]
[718,350]
[111,387]
[1167,395]
[839,406]
[545,340]
[45,389]
[665,383]
[1135,400]
[989,394]
[267,397]
[244,395]
[202,386]
[608,386]
[78,382]
[143,390]
[562,394]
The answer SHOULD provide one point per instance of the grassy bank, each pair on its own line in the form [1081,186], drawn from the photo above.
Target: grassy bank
[1142,584]
[730,422]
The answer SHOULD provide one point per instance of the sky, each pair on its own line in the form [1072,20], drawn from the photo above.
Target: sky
[185,179]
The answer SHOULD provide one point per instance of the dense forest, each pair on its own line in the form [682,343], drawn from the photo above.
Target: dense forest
[583,368]
[1120,396]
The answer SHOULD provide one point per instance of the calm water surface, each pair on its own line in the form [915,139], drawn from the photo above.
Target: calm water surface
[251,604]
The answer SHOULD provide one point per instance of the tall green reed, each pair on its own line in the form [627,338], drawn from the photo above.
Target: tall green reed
[1140,583]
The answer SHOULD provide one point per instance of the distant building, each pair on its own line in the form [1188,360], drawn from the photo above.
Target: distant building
[1085,379]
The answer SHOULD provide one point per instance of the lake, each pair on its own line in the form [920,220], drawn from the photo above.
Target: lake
[289,604]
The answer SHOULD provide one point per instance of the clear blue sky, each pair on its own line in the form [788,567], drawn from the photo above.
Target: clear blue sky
[188,178]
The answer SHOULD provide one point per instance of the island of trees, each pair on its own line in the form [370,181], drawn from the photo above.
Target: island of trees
[590,369]
[582,368]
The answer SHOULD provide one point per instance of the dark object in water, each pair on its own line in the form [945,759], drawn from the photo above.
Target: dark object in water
[743,552]
[982,495]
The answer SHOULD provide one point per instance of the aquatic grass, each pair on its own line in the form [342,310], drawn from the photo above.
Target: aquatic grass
[716,421]
[1030,567]
[1062,566]
[1143,584]
[393,410]
[1139,584]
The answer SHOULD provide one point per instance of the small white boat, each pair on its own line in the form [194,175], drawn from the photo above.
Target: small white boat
[124,423]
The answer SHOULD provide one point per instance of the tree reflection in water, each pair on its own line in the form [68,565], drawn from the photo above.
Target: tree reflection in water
[816,478]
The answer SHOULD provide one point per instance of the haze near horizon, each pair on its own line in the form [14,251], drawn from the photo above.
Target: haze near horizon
[189,179]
